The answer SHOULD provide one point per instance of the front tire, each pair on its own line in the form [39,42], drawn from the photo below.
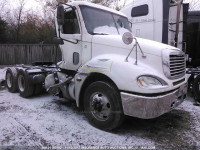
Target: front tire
[102,105]
[25,85]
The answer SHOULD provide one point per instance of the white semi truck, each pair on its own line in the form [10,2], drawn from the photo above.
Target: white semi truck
[107,71]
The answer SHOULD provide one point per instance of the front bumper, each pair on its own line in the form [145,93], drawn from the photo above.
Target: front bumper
[147,107]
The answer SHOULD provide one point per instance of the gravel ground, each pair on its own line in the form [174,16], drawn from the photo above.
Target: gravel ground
[45,121]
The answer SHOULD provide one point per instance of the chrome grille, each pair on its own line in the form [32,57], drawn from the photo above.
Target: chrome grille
[173,64]
[177,64]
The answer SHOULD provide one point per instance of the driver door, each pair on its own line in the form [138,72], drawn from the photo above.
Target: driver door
[71,49]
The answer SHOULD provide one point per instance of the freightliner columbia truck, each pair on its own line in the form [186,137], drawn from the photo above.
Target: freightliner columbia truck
[105,69]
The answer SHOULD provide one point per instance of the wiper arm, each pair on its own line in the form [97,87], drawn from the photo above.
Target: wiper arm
[99,34]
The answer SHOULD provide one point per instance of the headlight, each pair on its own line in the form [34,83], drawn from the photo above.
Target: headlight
[150,82]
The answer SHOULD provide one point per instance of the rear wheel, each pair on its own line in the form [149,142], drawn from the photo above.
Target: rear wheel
[102,105]
[25,85]
[11,79]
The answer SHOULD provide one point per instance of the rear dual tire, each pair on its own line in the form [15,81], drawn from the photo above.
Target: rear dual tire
[20,81]
[25,85]
[11,80]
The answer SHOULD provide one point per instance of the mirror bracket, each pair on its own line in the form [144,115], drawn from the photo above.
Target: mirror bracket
[60,41]
[71,41]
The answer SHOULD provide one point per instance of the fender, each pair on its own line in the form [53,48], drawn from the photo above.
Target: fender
[123,74]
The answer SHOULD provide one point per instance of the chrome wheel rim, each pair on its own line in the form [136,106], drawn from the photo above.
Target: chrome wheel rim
[9,80]
[100,106]
[21,83]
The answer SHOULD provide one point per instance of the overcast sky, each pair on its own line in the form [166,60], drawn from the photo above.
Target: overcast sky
[28,5]
[33,3]
[36,6]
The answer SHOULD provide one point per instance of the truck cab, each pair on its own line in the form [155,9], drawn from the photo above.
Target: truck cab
[94,49]
[81,26]
[109,72]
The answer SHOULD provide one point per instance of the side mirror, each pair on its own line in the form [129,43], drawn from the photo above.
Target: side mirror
[127,38]
[58,41]
[60,14]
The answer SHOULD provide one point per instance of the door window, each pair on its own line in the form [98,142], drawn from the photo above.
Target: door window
[71,25]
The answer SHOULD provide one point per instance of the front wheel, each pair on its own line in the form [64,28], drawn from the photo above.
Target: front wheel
[102,105]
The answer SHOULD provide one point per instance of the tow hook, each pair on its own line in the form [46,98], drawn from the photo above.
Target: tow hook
[173,105]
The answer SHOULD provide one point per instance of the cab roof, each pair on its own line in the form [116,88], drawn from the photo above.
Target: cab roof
[77,3]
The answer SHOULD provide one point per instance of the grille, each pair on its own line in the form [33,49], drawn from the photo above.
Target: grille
[177,65]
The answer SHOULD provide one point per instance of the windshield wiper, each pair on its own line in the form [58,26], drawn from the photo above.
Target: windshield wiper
[99,34]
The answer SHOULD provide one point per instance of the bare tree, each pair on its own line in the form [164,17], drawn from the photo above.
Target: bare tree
[50,4]
[49,7]
[107,3]
[18,16]
[2,6]
[125,1]
[115,4]
[119,6]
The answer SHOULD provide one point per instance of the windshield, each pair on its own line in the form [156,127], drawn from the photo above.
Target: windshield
[98,21]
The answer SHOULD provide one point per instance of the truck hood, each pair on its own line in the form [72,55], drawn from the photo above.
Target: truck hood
[147,46]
